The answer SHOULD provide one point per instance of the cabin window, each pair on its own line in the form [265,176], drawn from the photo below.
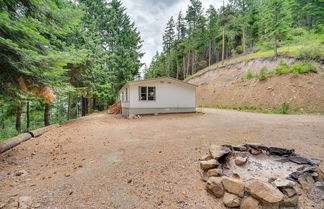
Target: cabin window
[147,93]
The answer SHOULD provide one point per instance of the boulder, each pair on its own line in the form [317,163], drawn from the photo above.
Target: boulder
[208,164]
[270,206]
[240,160]
[289,191]
[255,151]
[264,191]
[231,200]
[206,157]
[300,160]
[250,203]
[233,186]
[240,147]
[279,182]
[289,201]
[204,176]
[280,151]
[218,152]
[306,181]
[257,146]
[215,172]
[214,185]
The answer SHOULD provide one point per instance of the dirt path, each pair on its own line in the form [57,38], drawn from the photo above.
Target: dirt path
[104,161]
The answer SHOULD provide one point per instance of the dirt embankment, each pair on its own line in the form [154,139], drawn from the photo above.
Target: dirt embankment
[224,86]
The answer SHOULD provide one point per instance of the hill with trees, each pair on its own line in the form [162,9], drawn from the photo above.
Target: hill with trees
[240,28]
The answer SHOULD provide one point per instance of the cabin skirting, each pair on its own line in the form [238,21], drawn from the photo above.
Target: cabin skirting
[126,111]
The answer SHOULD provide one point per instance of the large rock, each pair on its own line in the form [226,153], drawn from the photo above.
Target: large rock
[289,191]
[234,186]
[250,203]
[206,157]
[279,182]
[240,160]
[264,191]
[306,180]
[208,164]
[218,152]
[280,151]
[231,200]
[215,172]
[289,201]
[215,186]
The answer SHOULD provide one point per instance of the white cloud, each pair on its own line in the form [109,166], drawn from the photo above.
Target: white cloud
[151,16]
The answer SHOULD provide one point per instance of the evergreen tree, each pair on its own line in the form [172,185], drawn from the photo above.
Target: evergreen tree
[276,20]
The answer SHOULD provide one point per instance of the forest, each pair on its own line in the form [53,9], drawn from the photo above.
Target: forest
[197,38]
[62,59]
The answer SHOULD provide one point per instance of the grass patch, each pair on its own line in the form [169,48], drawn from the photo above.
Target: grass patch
[282,109]
[249,74]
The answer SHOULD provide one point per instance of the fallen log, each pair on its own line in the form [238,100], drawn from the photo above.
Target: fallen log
[12,142]
[40,131]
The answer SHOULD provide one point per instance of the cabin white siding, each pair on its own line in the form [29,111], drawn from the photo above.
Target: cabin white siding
[169,97]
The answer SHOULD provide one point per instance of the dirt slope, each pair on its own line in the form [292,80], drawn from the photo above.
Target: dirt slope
[224,86]
[103,161]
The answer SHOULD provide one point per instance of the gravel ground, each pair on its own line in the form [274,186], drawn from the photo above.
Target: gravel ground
[105,161]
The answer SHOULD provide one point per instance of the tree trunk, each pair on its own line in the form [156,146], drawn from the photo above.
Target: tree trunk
[243,41]
[27,116]
[209,53]
[18,116]
[223,46]
[188,64]
[94,103]
[69,107]
[47,114]
[193,63]
[177,75]
[184,66]
[275,46]
[84,104]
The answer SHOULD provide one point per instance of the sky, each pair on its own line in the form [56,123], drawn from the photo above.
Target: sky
[151,16]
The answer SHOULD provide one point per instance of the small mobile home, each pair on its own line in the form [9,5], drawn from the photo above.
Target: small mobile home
[157,95]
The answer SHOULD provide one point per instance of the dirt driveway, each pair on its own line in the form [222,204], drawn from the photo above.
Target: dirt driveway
[105,161]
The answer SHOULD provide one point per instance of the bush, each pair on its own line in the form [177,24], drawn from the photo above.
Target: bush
[309,53]
[249,74]
[262,74]
[282,68]
[283,109]
[303,68]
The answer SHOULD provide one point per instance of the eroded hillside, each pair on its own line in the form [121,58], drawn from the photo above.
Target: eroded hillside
[227,86]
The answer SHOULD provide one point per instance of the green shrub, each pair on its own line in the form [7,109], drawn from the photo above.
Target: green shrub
[249,74]
[283,109]
[262,74]
[309,53]
[303,68]
[282,68]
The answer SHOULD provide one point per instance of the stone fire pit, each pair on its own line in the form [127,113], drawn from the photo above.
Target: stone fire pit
[254,176]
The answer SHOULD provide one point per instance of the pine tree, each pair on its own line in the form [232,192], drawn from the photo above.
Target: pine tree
[169,35]
[181,27]
[275,19]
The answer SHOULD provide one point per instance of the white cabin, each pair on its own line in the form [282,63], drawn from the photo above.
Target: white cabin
[157,95]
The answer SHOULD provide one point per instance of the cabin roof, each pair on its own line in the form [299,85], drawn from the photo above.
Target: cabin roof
[138,82]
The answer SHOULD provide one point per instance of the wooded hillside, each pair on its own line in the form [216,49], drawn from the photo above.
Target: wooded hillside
[199,38]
